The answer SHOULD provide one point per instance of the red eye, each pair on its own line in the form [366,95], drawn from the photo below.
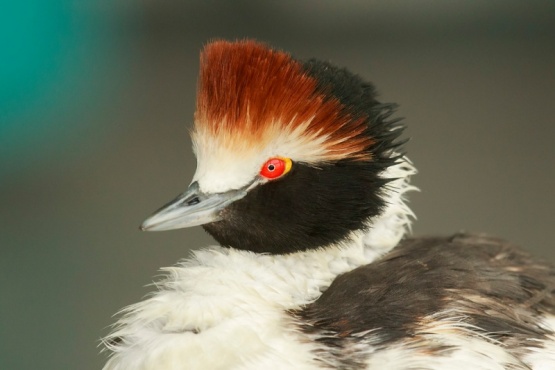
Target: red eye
[275,167]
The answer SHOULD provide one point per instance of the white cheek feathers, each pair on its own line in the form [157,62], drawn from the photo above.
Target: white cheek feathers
[225,164]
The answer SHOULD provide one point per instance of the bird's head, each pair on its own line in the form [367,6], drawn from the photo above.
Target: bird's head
[290,154]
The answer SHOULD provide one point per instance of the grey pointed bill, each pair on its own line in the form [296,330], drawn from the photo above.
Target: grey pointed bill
[191,208]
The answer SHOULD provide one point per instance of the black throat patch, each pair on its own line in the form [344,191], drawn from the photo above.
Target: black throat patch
[309,208]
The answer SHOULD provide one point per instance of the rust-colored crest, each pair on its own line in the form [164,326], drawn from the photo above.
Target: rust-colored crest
[245,87]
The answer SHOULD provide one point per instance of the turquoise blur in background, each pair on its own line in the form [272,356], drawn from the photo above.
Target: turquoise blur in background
[60,79]
[54,56]
[97,97]
[37,38]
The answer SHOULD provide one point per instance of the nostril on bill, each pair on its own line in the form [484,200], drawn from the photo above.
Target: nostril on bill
[193,201]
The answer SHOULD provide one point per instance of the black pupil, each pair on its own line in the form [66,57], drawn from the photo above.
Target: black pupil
[271,167]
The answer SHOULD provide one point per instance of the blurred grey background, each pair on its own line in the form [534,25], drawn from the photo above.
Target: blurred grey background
[96,99]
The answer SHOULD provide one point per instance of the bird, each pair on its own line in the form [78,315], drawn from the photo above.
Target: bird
[302,179]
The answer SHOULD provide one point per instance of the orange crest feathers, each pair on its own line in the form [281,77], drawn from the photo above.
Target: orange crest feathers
[245,89]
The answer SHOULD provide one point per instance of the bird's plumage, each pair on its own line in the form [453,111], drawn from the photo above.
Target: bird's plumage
[249,93]
[313,270]
[427,296]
